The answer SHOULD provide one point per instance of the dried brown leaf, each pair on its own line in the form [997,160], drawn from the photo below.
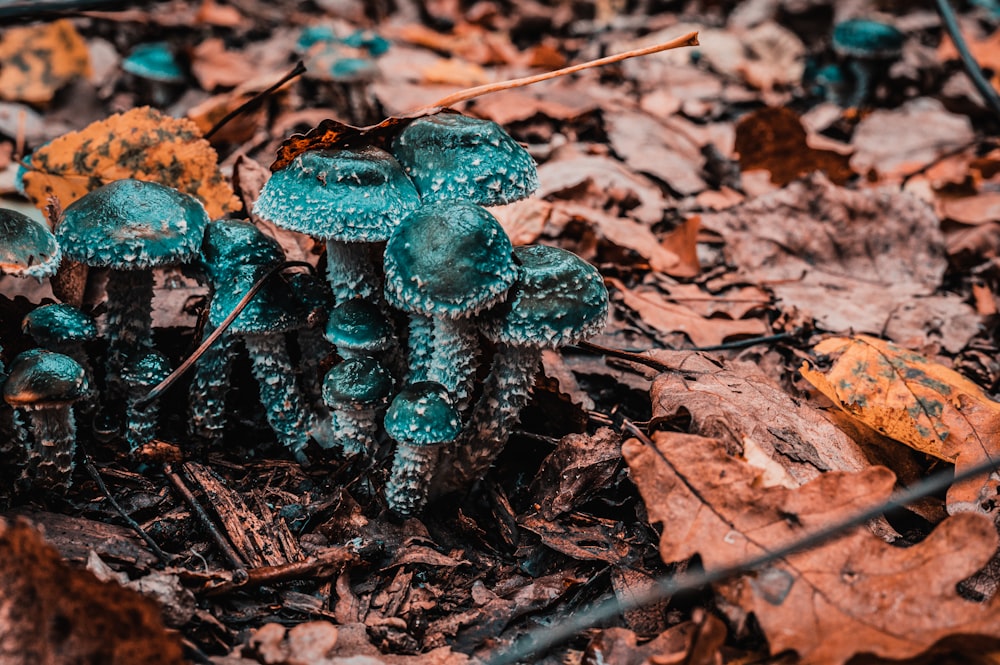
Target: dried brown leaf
[37,60]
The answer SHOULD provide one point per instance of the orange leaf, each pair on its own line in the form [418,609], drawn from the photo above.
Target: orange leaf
[141,143]
[36,61]
[915,401]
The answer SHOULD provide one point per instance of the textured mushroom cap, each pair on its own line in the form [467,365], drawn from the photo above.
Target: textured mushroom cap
[230,243]
[359,325]
[274,309]
[449,258]
[132,225]
[423,414]
[147,371]
[360,380]
[454,156]
[348,195]
[59,324]
[558,299]
[40,378]
[154,61]
[867,39]
[27,247]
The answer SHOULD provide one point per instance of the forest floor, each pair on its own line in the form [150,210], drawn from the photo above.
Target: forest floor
[772,250]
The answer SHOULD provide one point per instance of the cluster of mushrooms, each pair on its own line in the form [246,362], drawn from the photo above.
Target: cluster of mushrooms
[423,286]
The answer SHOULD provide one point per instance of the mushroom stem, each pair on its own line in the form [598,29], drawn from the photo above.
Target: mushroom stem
[506,391]
[128,321]
[420,345]
[279,393]
[50,458]
[207,397]
[350,272]
[355,427]
[314,349]
[453,357]
[140,423]
[409,480]
[861,72]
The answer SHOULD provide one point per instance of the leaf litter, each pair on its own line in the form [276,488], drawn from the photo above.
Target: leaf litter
[687,180]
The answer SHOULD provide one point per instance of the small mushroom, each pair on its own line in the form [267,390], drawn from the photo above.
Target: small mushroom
[557,300]
[261,325]
[131,227]
[445,263]
[27,247]
[869,47]
[141,376]
[13,440]
[359,328]
[349,198]
[64,329]
[45,385]
[356,390]
[422,418]
[156,67]
[453,156]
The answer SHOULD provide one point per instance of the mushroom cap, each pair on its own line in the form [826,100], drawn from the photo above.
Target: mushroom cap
[231,243]
[351,195]
[359,325]
[448,258]
[147,371]
[423,414]
[362,380]
[27,247]
[558,299]
[132,225]
[867,40]
[154,61]
[59,323]
[454,156]
[39,379]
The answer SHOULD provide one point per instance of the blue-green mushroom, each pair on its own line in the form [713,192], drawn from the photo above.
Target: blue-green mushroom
[454,156]
[445,263]
[868,46]
[349,198]
[27,247]
[557,300]
[131,227]
[45,385]
[142,375]
[421,419]
[356,390]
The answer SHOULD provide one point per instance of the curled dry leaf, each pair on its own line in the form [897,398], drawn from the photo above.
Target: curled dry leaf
[37,60]
[849,596]
[918,402]
[792,442]
[141,143]
[52,613]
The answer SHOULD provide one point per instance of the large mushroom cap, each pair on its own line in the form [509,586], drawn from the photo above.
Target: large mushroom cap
[132,224]
[348,195]
[231,243]
[558,299]
[867,39]
[361,380]
[448,258]
[27,247]
[59,324]
[423,414]
[453,156]
[359,325]
[40,378]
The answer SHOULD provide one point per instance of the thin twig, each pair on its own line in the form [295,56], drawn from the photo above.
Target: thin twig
[972,68]
[540,640]
[256,100]
[239,567]
[690,39]
[135,526]
[641,358]
[331,558]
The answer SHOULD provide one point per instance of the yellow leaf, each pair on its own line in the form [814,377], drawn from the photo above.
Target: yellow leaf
[36,61]
[141,143]
[913,400]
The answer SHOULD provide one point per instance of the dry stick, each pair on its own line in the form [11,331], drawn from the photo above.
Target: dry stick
[256,100]
[239,568]
[540,640]
[690,39]
[968,62]
[331,557]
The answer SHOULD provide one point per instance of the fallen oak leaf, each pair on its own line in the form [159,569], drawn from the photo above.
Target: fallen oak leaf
[915,401]
[850,596]
[141,143]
